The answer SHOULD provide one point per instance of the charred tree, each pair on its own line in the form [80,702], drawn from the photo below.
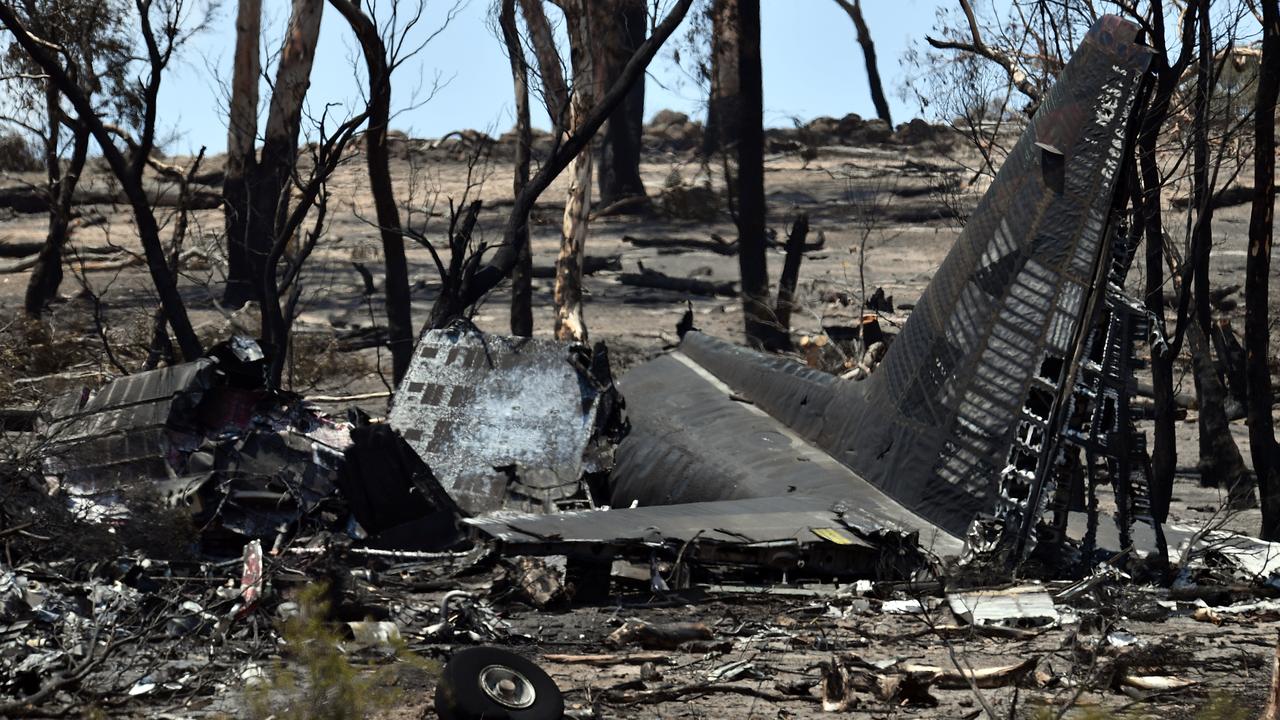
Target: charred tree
[282,293]
[735,130]
[128,169]
[377,158]
[274,169]
[1257,328]
[480,279]
[555,92]
[620,29]
[724,106]
[1155,113]
[242,132]
[570,323]
[46,276]
[86,33]
[522,273]
[1221,464]
[976,44]
[854,11]
[761,328]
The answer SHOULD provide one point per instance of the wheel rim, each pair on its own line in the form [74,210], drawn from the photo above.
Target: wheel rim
[507,687]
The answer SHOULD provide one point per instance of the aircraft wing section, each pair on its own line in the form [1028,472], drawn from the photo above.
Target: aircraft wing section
[700,458]
[787,532]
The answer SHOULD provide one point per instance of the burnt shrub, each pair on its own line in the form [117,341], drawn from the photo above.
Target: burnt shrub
[16,154]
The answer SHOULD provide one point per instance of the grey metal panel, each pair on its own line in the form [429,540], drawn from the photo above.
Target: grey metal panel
[501,421]
[756,520]
[691,442]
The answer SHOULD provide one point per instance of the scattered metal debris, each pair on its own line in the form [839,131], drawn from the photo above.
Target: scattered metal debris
[1024,606]
[206,436]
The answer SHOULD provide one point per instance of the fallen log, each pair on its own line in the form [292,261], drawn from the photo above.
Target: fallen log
[29,199]
[362,338]
[690,286]
[19,265]
[669,694]
[928,213]
[929,189]
[24,199]
[132,260]
[985,678]
[1226,197]
[718,247]
[19,249]
[1144,408]
[1184,400]
[22,263]
[591,265]
[666,636]
[633,205]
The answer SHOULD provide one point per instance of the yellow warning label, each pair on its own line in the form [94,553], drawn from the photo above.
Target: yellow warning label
[835,535]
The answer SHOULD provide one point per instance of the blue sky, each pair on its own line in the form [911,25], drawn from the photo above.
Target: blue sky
[812,66]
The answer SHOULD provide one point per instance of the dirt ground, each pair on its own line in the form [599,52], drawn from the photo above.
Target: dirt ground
[881,214]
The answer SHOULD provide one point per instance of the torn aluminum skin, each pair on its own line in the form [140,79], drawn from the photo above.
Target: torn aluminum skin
[509,423]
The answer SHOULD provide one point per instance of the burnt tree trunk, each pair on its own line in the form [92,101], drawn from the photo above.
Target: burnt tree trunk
[522,273]
[1220,461]
[46,276]
[619,30]
[377,158]
[724,106]
[759,324]
[570,323]
[791,275]
[854,10]
[271,183]
[1257,330]
[1164,446]
[555,93]
[242,132]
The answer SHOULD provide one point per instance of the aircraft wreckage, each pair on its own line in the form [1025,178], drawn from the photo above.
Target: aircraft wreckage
[998,415]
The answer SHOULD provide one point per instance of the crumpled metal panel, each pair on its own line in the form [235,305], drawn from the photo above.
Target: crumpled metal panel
[131,427]
[1020,606]
[693,440]
[200,435]
[504,422]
